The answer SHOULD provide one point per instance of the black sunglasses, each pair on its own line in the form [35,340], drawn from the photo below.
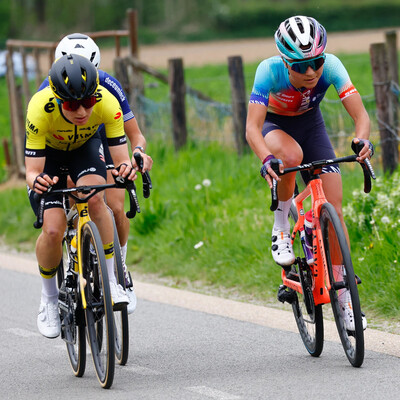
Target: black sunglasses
[302,66]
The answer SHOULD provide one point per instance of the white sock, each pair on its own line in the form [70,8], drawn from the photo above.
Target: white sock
[281,222]
[110,269]
[124,249]
[49,289]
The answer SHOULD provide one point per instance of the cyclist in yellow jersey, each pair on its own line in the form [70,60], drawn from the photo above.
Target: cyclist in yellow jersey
[61,131]
[78,43]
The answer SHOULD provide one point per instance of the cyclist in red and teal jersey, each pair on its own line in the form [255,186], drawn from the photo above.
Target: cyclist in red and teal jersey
[284,121]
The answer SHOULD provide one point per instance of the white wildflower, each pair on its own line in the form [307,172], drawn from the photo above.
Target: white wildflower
[198,187]
[206,182]
[198,245]
[385,220]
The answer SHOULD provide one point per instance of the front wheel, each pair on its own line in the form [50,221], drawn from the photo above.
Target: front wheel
[98,312]
[344,293]
[308,316]
[121,323]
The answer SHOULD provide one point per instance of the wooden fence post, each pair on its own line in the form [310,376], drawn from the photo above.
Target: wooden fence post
[238,96]
[391,46]
[177,89]
[25,79]
[379,63]
[17,122]
[133,32]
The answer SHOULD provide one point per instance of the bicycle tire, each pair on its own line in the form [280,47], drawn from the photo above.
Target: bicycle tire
[98,312]
[308,316]
[341,275]
[121,323]
[72,321]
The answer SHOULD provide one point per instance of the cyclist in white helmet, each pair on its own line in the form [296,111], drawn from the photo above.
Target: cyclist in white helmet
[284,121]
[78,43]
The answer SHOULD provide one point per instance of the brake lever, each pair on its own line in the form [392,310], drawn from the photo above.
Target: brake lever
[39,217]
[366,166]
[147,185]
[274,189]
[133,201]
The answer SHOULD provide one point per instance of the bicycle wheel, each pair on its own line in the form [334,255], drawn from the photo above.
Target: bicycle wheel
[308,316]
[121,324]
[343,283]
[71,314]
[98,312]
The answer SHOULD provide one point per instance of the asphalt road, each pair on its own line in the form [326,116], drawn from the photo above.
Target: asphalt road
[187,346]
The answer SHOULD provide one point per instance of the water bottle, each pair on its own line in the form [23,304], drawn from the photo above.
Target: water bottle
[308,226]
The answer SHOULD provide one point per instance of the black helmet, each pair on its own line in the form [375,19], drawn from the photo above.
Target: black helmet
[73,77]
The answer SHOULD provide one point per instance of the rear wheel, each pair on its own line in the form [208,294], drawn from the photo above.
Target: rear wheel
[344,292]
[98,312]
[121,324]
[71,314]
[308,316]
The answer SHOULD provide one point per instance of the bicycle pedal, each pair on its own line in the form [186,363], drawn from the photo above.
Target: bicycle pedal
[286,295]
[128,280]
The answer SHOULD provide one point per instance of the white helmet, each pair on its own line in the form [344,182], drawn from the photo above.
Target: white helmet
[300,37]
[78,43]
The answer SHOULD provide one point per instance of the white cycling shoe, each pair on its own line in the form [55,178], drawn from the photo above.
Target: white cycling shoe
[348,314]
[48,319]
[282,250]
[119,296]
[132,300]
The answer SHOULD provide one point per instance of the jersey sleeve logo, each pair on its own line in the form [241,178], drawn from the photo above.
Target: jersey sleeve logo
[31,127]
[347,91]
[118,115]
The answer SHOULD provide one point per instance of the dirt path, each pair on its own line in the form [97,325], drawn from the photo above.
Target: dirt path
[251,50]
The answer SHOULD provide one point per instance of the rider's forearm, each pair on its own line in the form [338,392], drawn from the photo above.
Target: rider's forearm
[256,142]
[134,134]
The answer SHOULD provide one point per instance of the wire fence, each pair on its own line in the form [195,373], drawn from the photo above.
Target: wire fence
[212,121]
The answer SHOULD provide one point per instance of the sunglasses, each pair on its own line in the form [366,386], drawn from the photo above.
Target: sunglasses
[73,105]
[302,66]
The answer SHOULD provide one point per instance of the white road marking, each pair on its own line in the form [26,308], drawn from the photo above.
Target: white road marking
[213,393]
[138,369]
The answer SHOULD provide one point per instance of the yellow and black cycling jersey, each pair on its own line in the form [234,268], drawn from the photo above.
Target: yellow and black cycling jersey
[47,126]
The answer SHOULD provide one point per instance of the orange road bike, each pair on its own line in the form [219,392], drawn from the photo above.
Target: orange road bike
[329,275]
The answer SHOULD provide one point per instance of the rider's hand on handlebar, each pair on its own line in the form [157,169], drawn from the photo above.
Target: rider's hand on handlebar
[126,171]
[267,170]
[43,183]
[367,151]
[147,162]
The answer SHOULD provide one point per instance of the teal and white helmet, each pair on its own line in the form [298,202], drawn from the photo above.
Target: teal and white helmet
[300,37]
[78,43]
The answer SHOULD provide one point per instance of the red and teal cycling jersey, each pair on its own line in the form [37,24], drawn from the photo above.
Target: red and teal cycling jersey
[273,89]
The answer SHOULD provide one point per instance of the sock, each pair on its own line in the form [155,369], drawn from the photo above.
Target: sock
[124,249]
[109,253]
[49,284]
[281,222]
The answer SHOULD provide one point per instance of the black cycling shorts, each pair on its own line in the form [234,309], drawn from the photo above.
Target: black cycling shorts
[309,131]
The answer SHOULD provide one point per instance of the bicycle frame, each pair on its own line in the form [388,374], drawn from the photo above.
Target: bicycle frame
[319,267]
[83,218]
